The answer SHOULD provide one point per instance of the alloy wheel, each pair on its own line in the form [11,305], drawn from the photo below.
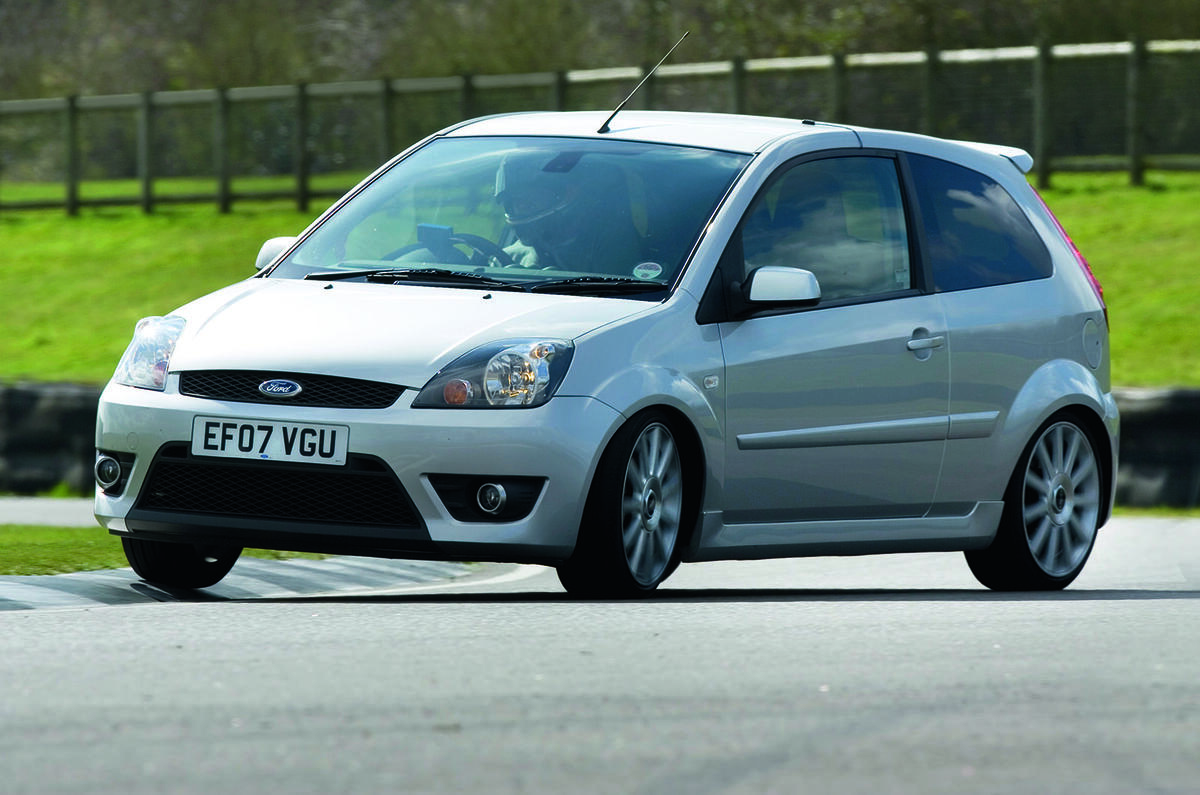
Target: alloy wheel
[651,504]
[1061,499]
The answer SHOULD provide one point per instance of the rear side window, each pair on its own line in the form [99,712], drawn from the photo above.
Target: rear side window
[975,233]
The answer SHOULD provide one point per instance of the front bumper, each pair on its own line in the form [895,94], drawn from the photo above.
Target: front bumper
[400,457]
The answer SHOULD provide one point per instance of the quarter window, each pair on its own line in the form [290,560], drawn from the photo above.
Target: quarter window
[840,218]
[975,233]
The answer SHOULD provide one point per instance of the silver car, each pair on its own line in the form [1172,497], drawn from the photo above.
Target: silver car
[611,347]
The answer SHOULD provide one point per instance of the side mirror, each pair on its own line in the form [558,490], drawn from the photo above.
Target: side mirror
[779,284]
[272,249]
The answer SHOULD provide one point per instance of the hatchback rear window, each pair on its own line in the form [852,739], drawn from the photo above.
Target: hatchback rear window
[975,233]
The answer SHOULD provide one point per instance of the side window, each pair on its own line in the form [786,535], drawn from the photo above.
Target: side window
[976,234]
[841,218]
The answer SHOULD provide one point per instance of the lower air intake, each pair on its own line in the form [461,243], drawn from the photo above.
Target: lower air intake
[365,491]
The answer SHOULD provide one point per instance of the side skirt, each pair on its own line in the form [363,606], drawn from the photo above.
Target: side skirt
[972,530]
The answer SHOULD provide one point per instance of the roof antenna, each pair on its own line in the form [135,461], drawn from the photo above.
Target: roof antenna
[604,127]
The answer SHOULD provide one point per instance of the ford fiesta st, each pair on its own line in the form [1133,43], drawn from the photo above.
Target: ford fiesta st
[611,347]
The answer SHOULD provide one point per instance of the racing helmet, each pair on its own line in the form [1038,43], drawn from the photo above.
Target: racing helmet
[541,195]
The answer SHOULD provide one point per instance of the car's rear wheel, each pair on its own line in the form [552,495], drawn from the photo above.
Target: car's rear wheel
[636,514]
[1052,511]
[179,565]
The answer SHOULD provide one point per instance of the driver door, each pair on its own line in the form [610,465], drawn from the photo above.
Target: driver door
[840,410]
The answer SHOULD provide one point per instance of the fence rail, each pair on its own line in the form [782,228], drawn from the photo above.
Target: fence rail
[1079,106]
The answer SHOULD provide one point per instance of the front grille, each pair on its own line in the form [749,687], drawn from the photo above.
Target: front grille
[365,491]
[322,391]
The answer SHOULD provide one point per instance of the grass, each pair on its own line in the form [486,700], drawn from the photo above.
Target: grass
[71,289]
[57,550]
[26,549]
[1142,244]
[1160,512]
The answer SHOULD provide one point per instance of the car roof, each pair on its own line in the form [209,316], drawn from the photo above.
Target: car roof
[726,131]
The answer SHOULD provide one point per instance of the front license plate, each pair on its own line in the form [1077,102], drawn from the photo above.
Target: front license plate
[270,440]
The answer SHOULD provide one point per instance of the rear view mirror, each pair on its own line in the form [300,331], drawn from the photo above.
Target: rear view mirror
[780,284]
[271,250]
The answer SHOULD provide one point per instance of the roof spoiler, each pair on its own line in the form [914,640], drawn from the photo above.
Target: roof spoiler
[1019,157]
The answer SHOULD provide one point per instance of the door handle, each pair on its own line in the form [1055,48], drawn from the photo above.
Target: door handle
[925,343]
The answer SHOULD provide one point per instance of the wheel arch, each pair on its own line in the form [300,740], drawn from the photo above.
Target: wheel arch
[1013,560]
[679,391]
[601,565]
[1065,388]
[693,457]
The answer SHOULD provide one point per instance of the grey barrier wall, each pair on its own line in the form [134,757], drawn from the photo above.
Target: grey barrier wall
[47,434]
[1160,447]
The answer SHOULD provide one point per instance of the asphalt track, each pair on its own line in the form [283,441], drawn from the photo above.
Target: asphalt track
[879,674]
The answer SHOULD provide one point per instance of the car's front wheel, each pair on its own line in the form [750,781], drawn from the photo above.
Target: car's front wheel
[1051,514]
[636,513]
[175,565]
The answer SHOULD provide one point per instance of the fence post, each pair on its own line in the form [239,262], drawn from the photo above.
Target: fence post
[838,95]
[221,158]
[1134,144]
[737,84]
[1042,65]
[467,100]
[72,170]
[558,99]
[649,91]
[145,151]
[933,62]
[301,147]
[387,128]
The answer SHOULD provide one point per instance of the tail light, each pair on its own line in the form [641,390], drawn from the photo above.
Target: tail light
[1079,258]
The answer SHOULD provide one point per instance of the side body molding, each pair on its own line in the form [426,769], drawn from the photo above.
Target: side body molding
[959,426]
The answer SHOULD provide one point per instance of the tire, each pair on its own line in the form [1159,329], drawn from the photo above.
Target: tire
[1052,510]
[179,565]
[638,511]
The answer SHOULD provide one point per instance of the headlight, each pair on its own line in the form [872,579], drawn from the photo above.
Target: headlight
[508,374]
[148,357]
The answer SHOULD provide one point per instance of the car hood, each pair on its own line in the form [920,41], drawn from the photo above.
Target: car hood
[401,334]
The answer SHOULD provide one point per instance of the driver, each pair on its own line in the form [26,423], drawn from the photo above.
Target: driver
[567,213]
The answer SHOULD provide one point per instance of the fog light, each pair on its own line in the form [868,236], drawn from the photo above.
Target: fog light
[107,471]
[491,498]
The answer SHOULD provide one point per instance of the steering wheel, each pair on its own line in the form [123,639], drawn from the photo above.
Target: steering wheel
[483,251]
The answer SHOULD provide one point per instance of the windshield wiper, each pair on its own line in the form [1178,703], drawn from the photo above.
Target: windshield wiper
[597,285]
[418,275]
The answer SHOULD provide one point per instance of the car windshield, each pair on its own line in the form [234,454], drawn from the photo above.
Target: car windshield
[533,212]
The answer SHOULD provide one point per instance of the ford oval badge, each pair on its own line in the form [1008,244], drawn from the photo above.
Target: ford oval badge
[280,388]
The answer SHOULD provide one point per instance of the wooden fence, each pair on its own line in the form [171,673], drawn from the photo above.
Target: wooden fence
[839,84]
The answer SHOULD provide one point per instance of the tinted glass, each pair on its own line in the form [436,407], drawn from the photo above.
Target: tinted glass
[840,218]
[975,233]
